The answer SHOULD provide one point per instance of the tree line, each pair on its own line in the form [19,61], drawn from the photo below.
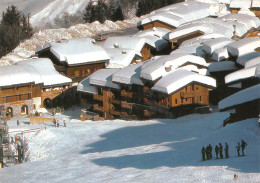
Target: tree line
[13,29]
[101,10]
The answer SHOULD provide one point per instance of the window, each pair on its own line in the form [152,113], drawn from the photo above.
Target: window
[200,98]
[186,88]
[197,88]
[176,101]
[186,99]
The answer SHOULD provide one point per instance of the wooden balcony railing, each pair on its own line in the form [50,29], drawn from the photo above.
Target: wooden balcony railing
[15,92]
[96,107]
[98,97]
[126,94]
[113,112]
[127,105]
[114,101]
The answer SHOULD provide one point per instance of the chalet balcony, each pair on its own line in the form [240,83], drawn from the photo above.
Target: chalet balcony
[126,94]
[114,101]
[187,95]
[15,92]
[98,97]
[113,112]
[96,107]
[127,105]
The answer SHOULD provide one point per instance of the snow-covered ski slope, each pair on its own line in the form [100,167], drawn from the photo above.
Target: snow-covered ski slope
[161,150]
[44,12]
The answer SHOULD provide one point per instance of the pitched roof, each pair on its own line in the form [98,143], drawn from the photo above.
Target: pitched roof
[129,75]
[179,79]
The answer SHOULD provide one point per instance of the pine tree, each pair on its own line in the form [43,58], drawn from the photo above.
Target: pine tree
[13,29]
[88,16]
[115,12]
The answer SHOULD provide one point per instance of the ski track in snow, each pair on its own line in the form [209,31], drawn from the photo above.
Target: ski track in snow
[160,150]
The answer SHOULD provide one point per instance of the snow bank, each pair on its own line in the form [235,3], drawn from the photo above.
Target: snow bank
[222,66]
[84,86]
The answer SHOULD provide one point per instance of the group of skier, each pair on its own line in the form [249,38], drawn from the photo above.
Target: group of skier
[207,152]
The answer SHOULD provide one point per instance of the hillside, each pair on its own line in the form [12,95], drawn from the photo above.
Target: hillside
[27,48]
[162,150]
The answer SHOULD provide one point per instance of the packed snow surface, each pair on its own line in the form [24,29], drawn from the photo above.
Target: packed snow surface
[160,150]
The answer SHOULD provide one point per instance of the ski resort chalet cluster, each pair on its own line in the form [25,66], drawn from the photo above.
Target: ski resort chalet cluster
[184,57]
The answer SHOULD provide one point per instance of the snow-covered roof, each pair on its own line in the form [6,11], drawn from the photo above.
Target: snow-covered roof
[246,95]
[129,75]
[243,46]
[241,74]
[84,86]
[155,31]
[217,26]
[103,78]
[252,62]
[243,59]
[205,25]
[36,71]
[156,36]
[14,75]
[120,57]
[220,54]
[222,66]
[179,79]
[255,4]
[78,51]
[43,71]
[248,20]
[210,46]
[177,14]
[156,68]
[246,4]
[131,43]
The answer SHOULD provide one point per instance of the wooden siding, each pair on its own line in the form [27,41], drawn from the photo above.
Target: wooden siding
[256,11]
[14,94]
[82,71]
[181,39]
[191,94]
[157,24]
[234,11]
[146,52]
[252,33]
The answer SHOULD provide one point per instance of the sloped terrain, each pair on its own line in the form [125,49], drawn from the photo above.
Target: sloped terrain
[162,150]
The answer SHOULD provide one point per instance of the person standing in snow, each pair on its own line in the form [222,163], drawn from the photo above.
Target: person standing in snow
[210,151]
[216,151]
[220,150]
[207,152]
[64,123]
[226,150]
[18,123]
[243,145]
[238,149]
[203,151]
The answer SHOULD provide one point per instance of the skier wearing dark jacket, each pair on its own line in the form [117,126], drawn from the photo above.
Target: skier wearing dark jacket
[203,151]
[243,145]
[226,150]
[216,151]
[220,150]
[210,151]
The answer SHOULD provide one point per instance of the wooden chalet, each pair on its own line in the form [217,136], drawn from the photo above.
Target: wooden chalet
[172,16]
[250,5]
[181,91]
[245,103]
[26,86]
[76,58]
